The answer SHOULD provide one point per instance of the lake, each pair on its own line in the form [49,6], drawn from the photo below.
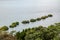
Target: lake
[12,11]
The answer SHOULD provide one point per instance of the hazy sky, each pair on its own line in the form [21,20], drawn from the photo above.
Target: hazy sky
[31,5]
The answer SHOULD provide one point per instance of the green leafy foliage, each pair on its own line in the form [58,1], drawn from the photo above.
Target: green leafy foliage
[44,17]
[4,28]
[50,15]
[51,32]
[17,23]
[32,20]
[38,19]
[40,33]
[25,22]
[14,24]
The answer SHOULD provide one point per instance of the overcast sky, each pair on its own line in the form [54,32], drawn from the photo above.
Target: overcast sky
[41,5]
[22,7]
[15,7]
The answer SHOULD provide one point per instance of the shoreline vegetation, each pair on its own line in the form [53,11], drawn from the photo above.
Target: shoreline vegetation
[52,32]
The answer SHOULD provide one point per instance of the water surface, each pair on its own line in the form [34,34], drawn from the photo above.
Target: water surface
[19,10]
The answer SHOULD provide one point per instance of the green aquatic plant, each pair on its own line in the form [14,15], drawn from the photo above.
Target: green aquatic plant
[32,20]
[25,22]
[50,15]
[14,24]
[4,28]
[17,23]
[38,19]
[44,17]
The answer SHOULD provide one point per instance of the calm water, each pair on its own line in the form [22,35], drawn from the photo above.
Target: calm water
[11,11]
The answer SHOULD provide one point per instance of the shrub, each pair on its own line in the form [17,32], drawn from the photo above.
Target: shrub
[25,22]
[50,15]
[40,33]
[44,17]
[33,20]
[38,19]
[6,36]
[4,28]
[17,23]
[14,24]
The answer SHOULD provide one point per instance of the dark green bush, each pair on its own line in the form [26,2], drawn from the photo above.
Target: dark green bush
[4,28]
[38,19]
[14,24]
[32,20]
[25,22]
[44,17]
[17,23]
[40,33]
[50,15]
